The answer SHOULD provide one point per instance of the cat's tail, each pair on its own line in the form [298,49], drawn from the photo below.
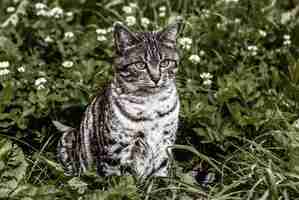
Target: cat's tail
[68,148]
[61,127]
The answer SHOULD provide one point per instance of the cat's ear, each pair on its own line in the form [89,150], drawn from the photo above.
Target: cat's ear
[123,37]
[169,34]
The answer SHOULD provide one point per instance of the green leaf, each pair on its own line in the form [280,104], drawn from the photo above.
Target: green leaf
[6,94]
[13,167]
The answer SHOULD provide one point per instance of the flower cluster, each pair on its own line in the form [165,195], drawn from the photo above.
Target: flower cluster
[162,11]
[231,1]
[43,10]
[287,40]
[194,58]
[10,9]
[40,83]
[222,26]
[69,35]
[67,64]
[185,42]
[206,77]
[262,33]
[237,21]
[130,10]
[131,20]
[48,39]
[296,123]
[21,69]
[127,9]
[3,68]
[4,64]
[145,22]
[205,13]
[253,49]
[101,34]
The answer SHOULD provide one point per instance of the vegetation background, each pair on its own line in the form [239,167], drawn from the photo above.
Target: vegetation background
[238,83]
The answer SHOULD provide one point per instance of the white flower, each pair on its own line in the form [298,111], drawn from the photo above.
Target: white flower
[101,38]
[296,123]
[131,20]
[231,1]
[42,13]
[4,72]
[162,14]
[202,53]
[69,35]
[10,9]
[287,42]
[218,25]
[206,13]
[40,6]
[39,83]
[162,9]
[207,82]
[237,20]
[262,33]
[145,22]
[48,39]
[101,31]
[69,14]
[67,64]
[206,75]
[286,37]
[127,9]
[56,12]
[253,49]
[4,64]
[185,42]
[194,58]
[133,5]
[21,69]
[40,87]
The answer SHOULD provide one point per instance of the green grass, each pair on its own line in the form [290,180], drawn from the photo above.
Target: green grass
[240,125]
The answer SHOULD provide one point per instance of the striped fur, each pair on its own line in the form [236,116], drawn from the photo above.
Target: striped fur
[127,128]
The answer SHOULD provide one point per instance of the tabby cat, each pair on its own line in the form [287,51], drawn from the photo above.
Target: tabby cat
[128,127]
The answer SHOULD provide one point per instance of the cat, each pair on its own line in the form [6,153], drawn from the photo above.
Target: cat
[129,125]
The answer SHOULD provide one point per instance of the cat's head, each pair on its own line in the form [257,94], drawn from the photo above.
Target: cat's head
[146,61]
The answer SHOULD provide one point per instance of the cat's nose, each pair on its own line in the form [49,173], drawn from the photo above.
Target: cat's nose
[156,79]
[155,74]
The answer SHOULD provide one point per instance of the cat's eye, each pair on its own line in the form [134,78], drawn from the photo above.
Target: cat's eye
[166,63]
[139,65]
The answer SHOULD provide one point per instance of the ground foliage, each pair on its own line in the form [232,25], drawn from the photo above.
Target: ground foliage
[238,85]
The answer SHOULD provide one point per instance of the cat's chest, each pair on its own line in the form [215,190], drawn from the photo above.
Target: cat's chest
[154,117]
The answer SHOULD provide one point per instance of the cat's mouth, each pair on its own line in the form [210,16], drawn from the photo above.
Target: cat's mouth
[148,90]
[153,89]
